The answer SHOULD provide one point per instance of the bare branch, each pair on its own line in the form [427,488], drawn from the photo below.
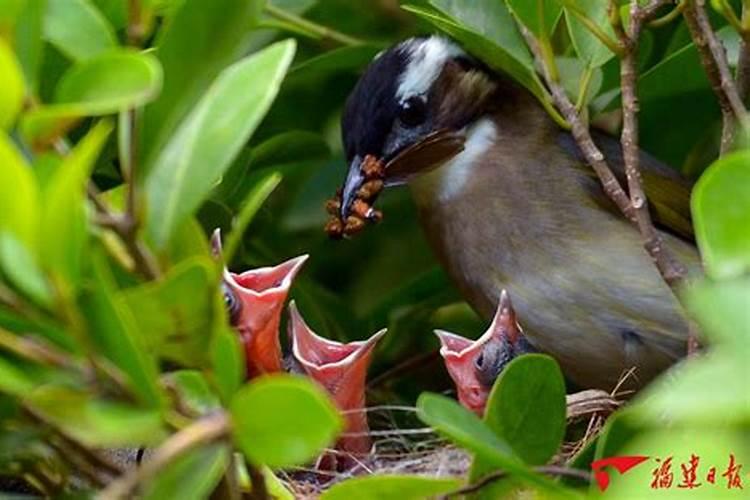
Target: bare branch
[580,130]
[205,430]
[549,470]
[714,60]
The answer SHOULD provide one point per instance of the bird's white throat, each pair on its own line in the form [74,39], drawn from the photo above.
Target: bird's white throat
[448,181]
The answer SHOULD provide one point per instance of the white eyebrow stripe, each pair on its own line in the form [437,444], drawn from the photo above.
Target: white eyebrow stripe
[426,60]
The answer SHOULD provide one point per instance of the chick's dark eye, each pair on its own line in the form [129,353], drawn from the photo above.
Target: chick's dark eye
[231,303]
[412,112]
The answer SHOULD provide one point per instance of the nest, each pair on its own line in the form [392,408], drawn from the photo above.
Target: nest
[418,450]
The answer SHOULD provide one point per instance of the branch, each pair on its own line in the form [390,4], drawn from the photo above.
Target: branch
[322,32]
[550,470]
[714,60]
[671,270]
[203,431]
[580,130]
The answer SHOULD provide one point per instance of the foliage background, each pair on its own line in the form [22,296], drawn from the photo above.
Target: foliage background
[63,278]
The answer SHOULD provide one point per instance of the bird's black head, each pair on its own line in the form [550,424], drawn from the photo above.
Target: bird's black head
[423,91]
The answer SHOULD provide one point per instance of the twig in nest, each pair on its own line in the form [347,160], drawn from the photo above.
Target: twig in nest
[205,430]
[550,470]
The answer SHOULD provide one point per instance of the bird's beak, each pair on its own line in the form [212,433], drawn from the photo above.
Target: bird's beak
[425,154]
[260,295]
[341,369]
[461,355]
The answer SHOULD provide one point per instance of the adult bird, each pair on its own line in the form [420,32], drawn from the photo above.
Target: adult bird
[514,206]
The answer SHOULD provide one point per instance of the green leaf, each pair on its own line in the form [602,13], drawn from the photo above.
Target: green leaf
[178,311]
[723,311]
[13,91]
[105,84]
[540,16]
[19,196]
[96,422]
[211,136]
[193,391]
[64,216]
[77,29]
[21,269]
[14,380]
[193,475]
[227,362]
[717,379]
[194,47]
[465,429]
[527,407]
[283,420]
[486,29]
[721,211]
[29,43]
[402,487]
[255,198]
[590,49]
[112,329]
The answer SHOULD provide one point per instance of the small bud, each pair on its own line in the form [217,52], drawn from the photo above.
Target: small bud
[353,225]
[334,228]
[360,208]
[370,189]
[333,206]
[372,168]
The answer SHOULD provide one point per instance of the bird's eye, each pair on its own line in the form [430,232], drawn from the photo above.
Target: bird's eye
[231,303]
[412,112]
[490,362]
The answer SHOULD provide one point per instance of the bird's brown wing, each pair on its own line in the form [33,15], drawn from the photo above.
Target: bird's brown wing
[667,191]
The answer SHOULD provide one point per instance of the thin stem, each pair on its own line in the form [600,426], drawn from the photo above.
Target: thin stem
[203,431]
[714,60]
[671,270]
[580,130]
[668,17]
[258,483]
[727,11]
[583,88]
[136,29]
[592,26]
[34,350]
[549,470]
[320,31]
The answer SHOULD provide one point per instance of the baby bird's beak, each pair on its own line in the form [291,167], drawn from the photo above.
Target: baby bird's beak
[255,300]
[475,364]
[341,369]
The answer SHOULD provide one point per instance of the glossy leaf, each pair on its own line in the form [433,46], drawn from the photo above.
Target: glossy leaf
[112,330]
[194,47]
[465,429]
[19,196]
[20,267]
[720,307]
[13,91]
[474,26]
[207,141]
[527,407]
[721,211]
[96,422]
[29,43]
[402,487]
[540,16]
[192,475]
[283,420]
[77,29]
[64,216]
[590,49]
[178,311]
[101,85]
[192,390]
[261,190]
[227,362]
